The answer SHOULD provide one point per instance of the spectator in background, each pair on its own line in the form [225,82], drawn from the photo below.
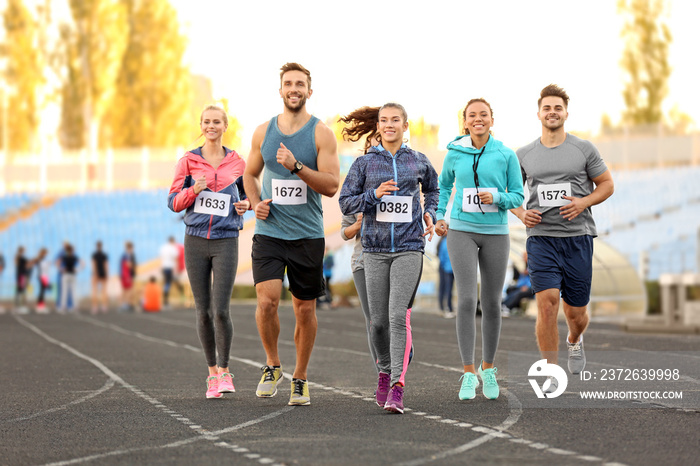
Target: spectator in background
[328,263]
[516,293]
[151,296]
[127,274]
[446,279]
[23,271]
[169,263]
[42,267]
[59,274]
[100,273]
[70,266]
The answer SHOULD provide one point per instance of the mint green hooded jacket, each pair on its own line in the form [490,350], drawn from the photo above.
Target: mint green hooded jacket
[498,167]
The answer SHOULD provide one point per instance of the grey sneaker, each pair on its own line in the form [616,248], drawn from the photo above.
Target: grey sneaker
[577,358]
[553,385]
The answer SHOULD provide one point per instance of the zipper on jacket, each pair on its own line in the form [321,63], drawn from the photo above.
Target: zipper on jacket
[396,178]
[211,217]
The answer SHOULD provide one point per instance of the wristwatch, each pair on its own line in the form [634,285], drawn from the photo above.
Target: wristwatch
[297,166]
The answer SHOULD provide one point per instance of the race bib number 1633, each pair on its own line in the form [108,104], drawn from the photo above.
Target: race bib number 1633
[211,203]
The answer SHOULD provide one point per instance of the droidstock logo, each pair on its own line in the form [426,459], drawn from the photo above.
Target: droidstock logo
[543,368]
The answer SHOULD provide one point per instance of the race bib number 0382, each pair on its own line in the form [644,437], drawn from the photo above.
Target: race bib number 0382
[211,203]
[395,209]
[552,195]
[288,192]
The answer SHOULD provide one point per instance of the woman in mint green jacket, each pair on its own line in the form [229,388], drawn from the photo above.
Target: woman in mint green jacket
[488,182]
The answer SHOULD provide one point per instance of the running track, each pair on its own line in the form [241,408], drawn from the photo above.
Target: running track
[129,389]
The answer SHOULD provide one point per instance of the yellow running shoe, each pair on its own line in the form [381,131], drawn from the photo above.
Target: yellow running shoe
[272,376]
[300,393]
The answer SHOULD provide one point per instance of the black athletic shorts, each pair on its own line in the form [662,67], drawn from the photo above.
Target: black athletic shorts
[302,258]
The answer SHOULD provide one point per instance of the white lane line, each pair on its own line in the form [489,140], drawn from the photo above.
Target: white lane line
[108,384]
[490,432]
[205,434]
[210,437]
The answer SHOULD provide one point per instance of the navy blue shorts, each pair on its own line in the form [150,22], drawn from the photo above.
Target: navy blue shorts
[565,264]
[302,259]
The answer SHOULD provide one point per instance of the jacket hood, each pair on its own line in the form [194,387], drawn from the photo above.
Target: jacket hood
[196,154]
[380,150]
[464,144]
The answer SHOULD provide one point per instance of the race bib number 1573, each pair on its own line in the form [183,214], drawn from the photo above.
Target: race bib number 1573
[552,195]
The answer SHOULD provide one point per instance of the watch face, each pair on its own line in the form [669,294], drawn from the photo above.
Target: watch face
[298,165]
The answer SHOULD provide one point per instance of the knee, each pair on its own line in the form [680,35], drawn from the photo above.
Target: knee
[575,313]
[547,316]
[267,306]
[379,328]
[305,314]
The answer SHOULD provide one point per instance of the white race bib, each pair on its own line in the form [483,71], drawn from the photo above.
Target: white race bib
[550,195]
[395,209]
[211,203]
[471,201]
[288,192]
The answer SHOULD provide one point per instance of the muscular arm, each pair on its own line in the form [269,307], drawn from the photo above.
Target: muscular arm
[254,167]
[604,188]
[327,179]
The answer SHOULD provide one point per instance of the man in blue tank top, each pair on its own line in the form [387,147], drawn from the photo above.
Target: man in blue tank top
[300,160]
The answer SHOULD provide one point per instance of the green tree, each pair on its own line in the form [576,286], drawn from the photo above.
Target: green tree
[23,78]
[647,38]
[95,45]
[154,91]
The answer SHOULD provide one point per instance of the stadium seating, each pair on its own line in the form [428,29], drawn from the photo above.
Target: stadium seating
[653,210]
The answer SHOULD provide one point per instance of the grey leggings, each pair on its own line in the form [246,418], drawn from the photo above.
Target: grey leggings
[491,254]
[392,280]
[361,287]
[212,297]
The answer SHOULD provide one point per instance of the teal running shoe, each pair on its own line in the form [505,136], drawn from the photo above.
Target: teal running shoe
[488,376]
[469,384]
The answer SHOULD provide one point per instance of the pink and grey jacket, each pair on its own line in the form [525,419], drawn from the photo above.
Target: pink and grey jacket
[226,179]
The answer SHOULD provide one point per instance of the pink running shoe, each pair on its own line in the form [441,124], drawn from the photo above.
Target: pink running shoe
[383,386]
[213,387]
[394,402]
[226,383]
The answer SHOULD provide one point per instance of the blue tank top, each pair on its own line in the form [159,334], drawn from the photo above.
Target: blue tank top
[290,222]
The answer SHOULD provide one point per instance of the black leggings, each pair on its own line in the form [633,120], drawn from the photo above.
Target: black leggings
[204,257]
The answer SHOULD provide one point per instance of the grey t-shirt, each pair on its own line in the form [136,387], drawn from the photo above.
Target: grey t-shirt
[552,171]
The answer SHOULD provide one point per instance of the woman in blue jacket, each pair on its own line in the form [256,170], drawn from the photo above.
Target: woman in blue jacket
[385,186]
[488,182]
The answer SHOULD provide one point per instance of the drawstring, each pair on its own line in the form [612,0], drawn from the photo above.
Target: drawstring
[475,165]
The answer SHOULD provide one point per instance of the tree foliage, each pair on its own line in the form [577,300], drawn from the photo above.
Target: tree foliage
[647,38]
[95,45]
[154,90]
[23,77]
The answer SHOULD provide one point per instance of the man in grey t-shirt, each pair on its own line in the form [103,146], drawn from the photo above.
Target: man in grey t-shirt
[565,176]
